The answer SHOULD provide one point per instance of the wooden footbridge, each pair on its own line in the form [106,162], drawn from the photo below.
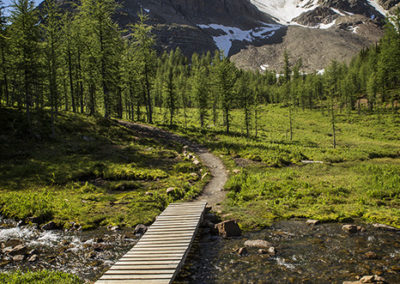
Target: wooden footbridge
[162,250]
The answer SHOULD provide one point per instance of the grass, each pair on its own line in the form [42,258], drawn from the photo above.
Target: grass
[95,172]
[39,277]
[360,179]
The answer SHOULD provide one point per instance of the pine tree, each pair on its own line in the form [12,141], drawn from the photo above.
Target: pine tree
[200,93]
[52,51]
[169,90]
[288,90]
[245,99]
[331,85]
[146,62]
[26,51]
[4,62]
[225,80]
[104,40]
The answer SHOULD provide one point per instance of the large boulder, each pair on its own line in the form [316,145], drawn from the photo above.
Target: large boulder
[228,229]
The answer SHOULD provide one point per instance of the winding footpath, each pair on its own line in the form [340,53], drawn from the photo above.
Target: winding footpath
[213,192]
[162,250]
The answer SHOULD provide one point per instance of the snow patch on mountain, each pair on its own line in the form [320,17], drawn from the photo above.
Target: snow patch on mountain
[379,8]
[224,41]
[284,11]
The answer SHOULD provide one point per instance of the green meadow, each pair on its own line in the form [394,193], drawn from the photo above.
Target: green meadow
[359,180]
[94,173]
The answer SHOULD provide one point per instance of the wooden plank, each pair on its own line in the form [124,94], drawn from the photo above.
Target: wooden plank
[155,257]
[162,234]
[159,249]
[139,271]
[172,224]
[175,227]
[162,245]
[148,281]
[144,267]
[137,277]
[162,250]
[147,262]
[165,240]
[152,255]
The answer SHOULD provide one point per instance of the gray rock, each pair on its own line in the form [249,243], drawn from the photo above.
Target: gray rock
[19,249]
[272,251]
[385,227]
[170,190]
[33,251]
[351,228]
[140,229]
[113,228]
[228,229]
[33,258]
[18,257]
[312,222]
[242,251]
[49,226]
[372,279]
[7,250]
[262,251]
[257,244]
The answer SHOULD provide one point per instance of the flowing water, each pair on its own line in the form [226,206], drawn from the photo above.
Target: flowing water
[305,254]
[86,254]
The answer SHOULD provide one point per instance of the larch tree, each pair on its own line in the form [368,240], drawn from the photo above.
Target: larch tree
[143,41]
[200,93]
[226,75]
[331,86]
[4,42]
[287,87]
[25,37]
[52,39]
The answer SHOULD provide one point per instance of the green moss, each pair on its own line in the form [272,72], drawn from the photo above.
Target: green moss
[39,277]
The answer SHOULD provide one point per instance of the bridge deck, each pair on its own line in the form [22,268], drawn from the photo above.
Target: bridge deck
[162,250]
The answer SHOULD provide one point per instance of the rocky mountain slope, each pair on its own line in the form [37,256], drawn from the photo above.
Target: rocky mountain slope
[255,32]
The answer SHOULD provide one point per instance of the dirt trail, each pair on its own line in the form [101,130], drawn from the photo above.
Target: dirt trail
[213,192]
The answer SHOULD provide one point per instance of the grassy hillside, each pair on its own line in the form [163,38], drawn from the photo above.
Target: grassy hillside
[94,172]
[358,180]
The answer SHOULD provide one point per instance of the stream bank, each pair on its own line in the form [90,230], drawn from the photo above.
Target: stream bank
[322,253]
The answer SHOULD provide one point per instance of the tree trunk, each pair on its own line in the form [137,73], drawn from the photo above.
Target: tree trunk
[227,120]
[71,81]
[290,123]
[92,98]
[333,125]
[80,83]
[5,79]
[148,97]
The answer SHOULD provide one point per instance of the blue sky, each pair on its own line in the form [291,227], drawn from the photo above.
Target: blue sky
[9,2]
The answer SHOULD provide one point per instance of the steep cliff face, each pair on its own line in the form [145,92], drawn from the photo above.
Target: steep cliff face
[254,32]
[177,22]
